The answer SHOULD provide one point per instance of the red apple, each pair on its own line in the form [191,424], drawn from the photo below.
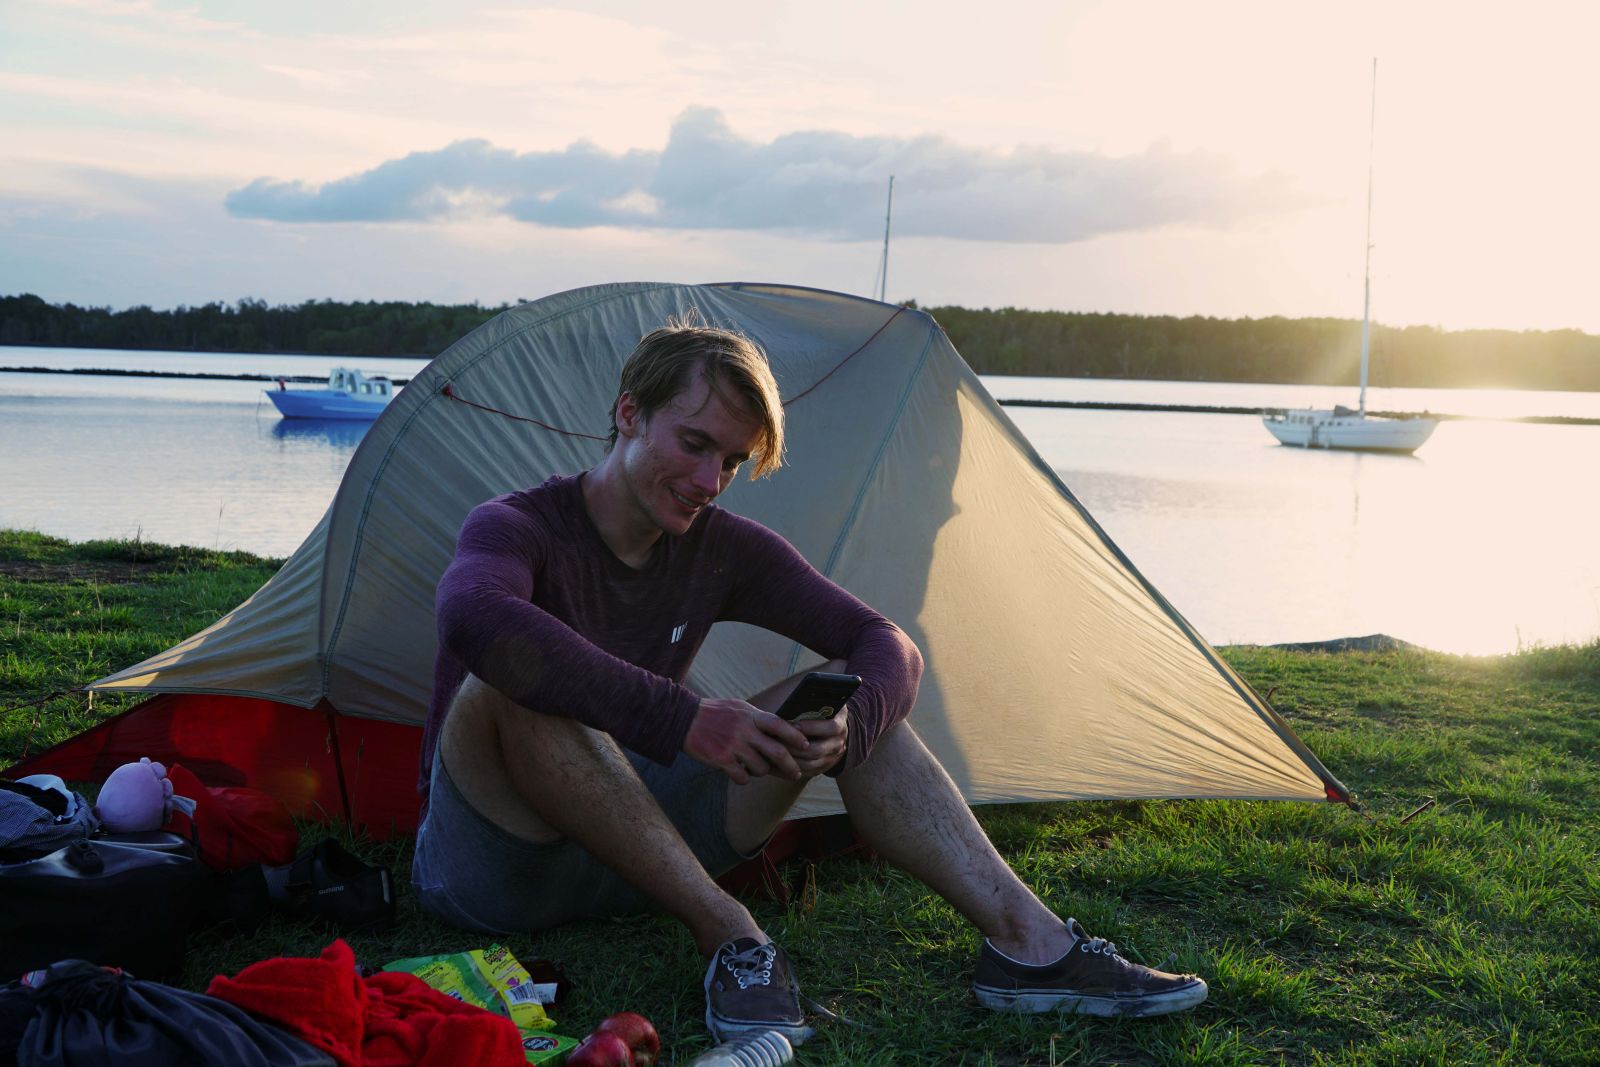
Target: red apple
[601,1049]
[636,1030]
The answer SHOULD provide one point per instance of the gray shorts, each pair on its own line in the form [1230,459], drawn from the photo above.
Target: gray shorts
[471,873]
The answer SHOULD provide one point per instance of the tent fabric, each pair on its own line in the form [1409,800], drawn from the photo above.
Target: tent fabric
[1054,669]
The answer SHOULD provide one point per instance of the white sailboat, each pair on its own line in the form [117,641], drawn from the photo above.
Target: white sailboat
[1341,427]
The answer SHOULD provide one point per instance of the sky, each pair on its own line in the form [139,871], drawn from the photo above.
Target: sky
[1145,157]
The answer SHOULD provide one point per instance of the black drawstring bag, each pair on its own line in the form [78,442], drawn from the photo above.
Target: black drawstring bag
[74,1014]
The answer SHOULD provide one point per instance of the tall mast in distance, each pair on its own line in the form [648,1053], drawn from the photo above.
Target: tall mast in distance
[883,264]
[1366,282]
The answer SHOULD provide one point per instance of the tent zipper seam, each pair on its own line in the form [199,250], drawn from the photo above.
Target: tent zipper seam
[872,470]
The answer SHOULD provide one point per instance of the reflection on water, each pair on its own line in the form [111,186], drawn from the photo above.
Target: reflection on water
[1479,543]
[342,434]
[219,473]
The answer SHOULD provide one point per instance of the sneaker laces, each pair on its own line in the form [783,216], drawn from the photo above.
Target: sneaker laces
[751,967]
[1102,946]
[1098,945]
[1109,948]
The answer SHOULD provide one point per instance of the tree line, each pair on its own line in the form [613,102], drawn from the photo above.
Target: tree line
[1315,351]
[363,328]
[1295,351]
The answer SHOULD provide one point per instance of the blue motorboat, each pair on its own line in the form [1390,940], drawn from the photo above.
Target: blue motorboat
[349,394]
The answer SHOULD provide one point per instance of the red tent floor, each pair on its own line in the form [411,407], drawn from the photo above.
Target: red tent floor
[327,767]
[321,764]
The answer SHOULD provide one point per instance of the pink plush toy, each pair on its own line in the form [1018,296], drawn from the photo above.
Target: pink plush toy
[138,796]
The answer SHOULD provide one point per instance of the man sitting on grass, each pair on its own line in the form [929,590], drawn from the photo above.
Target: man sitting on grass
[569,773]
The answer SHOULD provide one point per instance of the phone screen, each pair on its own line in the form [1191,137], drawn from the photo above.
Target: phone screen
[819,696]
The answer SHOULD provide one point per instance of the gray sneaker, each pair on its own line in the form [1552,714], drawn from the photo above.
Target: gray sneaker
[1091,978]
[750,989]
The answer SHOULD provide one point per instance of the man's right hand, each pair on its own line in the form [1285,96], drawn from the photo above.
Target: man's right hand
[743,741]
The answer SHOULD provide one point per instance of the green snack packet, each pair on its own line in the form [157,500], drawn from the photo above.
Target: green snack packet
[488,978]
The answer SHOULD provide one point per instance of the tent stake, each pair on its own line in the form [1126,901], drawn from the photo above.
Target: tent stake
[1418,810]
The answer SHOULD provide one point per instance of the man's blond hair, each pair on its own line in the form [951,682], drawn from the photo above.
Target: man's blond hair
[733,366]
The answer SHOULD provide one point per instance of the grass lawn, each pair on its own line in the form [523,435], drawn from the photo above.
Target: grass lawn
[1469,934]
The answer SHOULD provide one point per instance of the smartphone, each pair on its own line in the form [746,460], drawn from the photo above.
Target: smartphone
[818,696]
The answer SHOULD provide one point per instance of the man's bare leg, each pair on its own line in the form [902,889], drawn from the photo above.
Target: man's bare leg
[906,807]
[756,808]
[584,789]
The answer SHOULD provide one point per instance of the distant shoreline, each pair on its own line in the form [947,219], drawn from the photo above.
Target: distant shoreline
[993,341]
[1015,402]
[127,372]
[1205,409]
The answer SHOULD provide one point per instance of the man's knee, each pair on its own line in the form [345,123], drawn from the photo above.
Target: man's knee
[484,722]
[899,752]
[519,768]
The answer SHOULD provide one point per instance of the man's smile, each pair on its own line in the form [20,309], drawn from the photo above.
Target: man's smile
[685,502]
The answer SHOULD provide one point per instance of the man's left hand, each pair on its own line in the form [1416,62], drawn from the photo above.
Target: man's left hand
[827,741]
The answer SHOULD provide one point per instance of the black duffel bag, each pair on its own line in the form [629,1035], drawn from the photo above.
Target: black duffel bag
[121,900]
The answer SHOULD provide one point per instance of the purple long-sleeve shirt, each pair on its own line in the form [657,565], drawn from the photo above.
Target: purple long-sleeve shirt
[538,606]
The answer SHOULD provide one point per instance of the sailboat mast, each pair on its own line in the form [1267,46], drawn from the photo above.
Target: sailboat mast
[888,212]
[1366,281]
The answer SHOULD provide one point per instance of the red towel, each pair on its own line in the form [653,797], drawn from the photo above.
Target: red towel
[388,1020]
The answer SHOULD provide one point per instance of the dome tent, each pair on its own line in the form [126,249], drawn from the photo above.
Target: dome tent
[1054,669]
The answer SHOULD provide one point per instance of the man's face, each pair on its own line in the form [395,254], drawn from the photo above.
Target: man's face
[684,454]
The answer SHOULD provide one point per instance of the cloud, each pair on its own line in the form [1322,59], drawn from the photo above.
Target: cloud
[336,80]
[123,241]
[146,14]
[815,183]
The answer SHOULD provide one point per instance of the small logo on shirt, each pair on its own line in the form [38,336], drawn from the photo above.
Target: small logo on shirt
[677,632]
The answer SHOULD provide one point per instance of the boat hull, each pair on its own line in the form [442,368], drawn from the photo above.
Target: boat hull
[1353,432]
[325,404]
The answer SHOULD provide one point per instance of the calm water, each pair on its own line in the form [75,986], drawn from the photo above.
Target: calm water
[1482,542]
